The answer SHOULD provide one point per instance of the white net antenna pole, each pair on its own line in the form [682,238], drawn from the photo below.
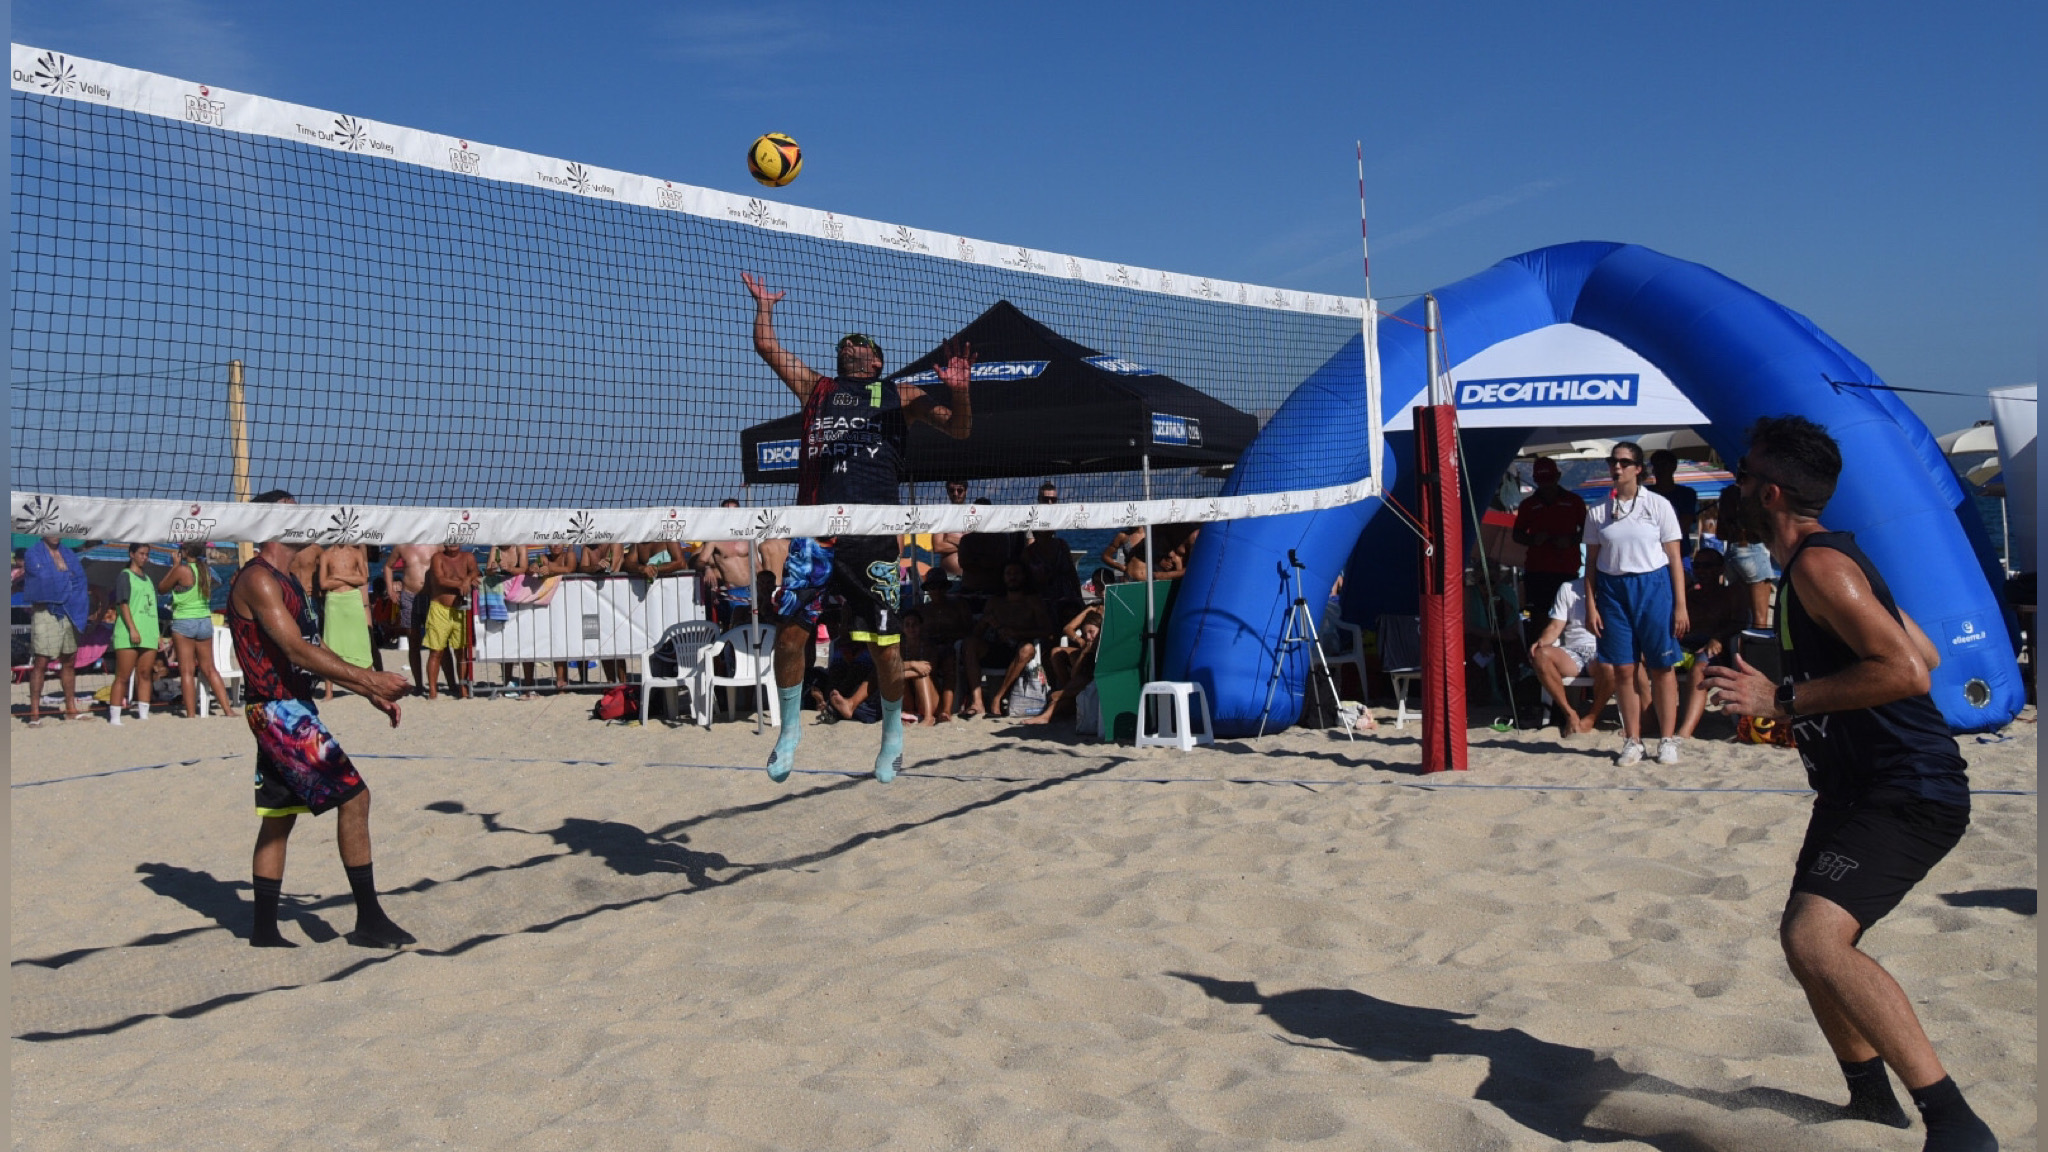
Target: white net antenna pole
[1375,442]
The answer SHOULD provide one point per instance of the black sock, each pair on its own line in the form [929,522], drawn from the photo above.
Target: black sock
[1870,1094]
[1951,1125]
[373,928]
[364,886]
[264,933]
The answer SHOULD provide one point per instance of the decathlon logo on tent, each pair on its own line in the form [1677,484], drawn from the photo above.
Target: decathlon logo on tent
[1119,365]
[776,455]
[1550,391]
[997,370]
[1179,431]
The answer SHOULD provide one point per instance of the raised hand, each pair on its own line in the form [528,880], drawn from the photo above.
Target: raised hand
[759,291]
[956,368]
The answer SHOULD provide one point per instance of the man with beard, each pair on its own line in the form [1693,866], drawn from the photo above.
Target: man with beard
[1892,799]
[855,429]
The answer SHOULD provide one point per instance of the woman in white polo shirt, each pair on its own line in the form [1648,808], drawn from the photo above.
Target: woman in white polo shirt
[1635,598]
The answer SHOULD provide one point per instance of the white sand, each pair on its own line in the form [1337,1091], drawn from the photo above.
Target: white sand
[621,950]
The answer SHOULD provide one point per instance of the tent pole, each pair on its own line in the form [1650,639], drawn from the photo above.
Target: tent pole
[1151,609]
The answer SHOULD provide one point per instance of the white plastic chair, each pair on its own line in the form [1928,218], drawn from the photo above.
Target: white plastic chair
[692,645]
[752,647]
[1344,643]
[224,662]
[1401,659]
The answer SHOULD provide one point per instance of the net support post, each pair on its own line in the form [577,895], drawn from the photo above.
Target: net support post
[1443,575]
[238,442]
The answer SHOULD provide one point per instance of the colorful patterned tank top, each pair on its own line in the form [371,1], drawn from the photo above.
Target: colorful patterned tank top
[267,674]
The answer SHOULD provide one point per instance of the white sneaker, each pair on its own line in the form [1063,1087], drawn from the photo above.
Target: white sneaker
[1667,750]
[1631,753]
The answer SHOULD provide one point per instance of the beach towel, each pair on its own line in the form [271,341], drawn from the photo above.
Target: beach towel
[491,601]
[346,628]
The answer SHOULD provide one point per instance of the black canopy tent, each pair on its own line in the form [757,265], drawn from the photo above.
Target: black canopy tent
[1043,405]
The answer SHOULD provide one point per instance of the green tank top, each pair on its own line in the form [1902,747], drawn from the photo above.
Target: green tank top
[190,603]
[142,606]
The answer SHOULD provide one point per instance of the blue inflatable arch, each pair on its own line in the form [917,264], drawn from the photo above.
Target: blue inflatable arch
[1733,353]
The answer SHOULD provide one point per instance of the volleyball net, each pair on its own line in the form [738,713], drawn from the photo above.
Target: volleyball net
[425,338]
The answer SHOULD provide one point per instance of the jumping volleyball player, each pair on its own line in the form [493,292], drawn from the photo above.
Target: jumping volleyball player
[855,427]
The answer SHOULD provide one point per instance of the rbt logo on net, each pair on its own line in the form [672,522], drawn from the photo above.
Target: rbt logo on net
[779,455]
[1621,388]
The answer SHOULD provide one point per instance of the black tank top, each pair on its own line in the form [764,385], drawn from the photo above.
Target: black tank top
[853,443]
[1887,754]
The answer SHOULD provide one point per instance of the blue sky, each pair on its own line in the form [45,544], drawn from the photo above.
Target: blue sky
[1877,168]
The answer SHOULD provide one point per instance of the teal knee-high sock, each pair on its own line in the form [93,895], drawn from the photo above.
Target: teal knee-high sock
[783,758]
[890,759]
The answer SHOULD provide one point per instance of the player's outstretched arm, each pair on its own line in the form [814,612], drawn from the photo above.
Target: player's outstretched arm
[955,419]
[786,364]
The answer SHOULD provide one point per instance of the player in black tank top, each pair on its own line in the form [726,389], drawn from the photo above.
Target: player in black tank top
[1893,797]
[856,425]
[1886,753]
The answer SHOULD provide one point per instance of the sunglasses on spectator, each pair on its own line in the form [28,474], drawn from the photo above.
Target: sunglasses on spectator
[1619,461]
[1743,472]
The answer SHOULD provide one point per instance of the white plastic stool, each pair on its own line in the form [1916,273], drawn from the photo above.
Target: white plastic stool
[1180,732]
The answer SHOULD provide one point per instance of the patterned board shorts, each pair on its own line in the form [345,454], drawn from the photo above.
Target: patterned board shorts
[858,570]
[300,767]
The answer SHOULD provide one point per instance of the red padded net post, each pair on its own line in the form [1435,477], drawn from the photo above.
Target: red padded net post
[1443,590]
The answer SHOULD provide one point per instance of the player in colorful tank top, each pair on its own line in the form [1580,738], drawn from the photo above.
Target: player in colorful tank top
[1893,797]
[856,425]
[300,767]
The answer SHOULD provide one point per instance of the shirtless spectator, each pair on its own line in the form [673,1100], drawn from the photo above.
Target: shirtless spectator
[344,573]
[413,563]
[982,557]
[1179,542]
[600,559]
[946,622]
[306,567]
[1072,669]
[453,578]
[1051,563]
[728,573]
[921,666]
[1009,630]
[507,561]
[653,559]
[946,545]
[1125,554]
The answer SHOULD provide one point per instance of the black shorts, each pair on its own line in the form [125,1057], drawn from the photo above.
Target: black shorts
[1866,859]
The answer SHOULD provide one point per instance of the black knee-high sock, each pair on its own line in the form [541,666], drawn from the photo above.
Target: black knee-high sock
[1870,1094]
[1951,1125]
[363,885]
[264,933]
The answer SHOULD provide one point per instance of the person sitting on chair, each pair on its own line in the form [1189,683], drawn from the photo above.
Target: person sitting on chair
[1008,631]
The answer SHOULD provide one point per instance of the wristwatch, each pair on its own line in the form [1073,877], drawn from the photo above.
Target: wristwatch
[1787,699]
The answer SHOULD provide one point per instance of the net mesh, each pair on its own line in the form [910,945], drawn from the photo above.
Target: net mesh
[422,337]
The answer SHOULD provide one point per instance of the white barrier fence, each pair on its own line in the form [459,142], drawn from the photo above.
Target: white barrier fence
[591,618]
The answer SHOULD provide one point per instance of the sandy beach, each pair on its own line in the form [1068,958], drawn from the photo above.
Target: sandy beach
[1027,941]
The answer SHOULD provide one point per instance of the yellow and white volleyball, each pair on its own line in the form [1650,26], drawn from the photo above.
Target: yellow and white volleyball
[775,160]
